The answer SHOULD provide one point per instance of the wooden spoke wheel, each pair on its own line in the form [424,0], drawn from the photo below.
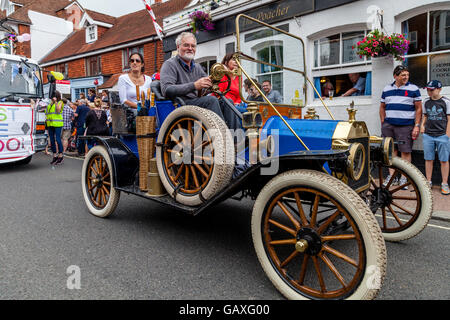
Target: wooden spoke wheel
[188,153]
[313,240]
[97,183]
[194,155]
[403,208]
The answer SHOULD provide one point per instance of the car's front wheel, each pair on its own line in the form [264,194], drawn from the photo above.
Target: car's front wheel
[316,239]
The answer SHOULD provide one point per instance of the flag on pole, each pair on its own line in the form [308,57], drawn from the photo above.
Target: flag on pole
[158,29]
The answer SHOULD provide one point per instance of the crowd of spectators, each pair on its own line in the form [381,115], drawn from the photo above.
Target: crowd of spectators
[89,115]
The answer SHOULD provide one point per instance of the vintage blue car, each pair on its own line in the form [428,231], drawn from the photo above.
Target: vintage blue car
[318,185]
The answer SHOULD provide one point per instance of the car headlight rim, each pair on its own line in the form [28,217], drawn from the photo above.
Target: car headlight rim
[356,157]
[388,150]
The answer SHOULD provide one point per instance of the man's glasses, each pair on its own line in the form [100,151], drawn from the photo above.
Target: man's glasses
[186,45]
[135,60]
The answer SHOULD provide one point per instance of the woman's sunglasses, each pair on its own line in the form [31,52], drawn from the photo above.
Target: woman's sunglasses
[135,60]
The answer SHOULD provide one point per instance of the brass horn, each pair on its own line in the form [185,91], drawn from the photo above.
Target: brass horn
[217,72]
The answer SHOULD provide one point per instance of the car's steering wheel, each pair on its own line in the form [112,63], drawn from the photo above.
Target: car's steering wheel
[215,86]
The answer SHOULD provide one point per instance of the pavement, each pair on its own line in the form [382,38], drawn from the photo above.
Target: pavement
[441,205]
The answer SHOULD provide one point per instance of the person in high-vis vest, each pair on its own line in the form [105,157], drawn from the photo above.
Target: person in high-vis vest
[55,124]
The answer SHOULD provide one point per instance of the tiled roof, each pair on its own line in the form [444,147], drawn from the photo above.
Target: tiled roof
[127,28]
[67,3]
[42,6]
[111,82]
[101,17]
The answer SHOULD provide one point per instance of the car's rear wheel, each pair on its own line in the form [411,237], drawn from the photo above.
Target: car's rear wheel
[100,196]
[402,214]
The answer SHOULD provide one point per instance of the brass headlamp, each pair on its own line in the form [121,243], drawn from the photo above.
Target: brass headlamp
[387,148]
[356,160]
[252,118]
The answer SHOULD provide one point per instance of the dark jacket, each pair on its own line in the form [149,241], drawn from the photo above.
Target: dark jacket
[96,123]
[81,111]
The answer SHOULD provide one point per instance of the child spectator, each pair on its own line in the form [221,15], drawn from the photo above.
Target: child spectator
[436,132]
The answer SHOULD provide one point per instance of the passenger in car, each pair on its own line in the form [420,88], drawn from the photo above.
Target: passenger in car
[182,77]
[229,62]
[254,93]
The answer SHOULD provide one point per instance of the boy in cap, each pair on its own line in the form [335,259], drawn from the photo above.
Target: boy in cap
[436,132]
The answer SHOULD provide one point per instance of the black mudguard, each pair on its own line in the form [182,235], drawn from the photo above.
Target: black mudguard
[125,164]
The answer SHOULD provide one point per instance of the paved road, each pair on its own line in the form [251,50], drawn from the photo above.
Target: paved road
[144,251]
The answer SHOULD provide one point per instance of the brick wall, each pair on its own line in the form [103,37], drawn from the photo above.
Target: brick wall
[153,62]
[112,62]
[77,68]
[24,48]
[44,74]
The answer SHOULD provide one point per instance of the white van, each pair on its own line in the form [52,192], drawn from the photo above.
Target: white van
[22,125]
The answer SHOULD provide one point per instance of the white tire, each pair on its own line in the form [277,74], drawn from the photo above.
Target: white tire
[280,257]
[97,182]
[208,169]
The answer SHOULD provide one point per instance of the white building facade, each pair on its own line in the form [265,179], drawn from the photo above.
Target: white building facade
[329,29]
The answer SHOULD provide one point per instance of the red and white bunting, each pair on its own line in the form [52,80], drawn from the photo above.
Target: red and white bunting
[158,29]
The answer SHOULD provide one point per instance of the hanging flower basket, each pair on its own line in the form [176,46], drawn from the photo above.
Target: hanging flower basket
[201,21]
[377,44]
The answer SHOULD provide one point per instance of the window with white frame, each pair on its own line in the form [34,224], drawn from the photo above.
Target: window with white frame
[91,33]
[10,9]
[338,50]
[272,54]
[333,55]
[207,63]
[428,57]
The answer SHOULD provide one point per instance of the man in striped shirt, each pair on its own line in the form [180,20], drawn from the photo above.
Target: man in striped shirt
[401,111]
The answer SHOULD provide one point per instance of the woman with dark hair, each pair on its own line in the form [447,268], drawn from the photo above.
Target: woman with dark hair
[229,62]
[127,82]
[55,124]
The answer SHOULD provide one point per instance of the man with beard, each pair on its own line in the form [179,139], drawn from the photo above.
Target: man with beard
[182,77]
